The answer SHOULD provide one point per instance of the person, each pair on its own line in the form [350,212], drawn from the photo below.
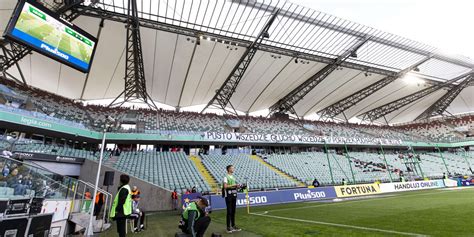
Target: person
[174,200]
[194,218]
[137,214]
[316,183]
[193,189]
[122,205]
[344,182]
[135,191]
[230,193]
[445,176]
[187,191]
[87,195]
[99,202]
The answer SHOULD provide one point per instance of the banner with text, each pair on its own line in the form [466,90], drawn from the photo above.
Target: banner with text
[48,157]
[275,197]
[409,186]
[279,138]
[357,190]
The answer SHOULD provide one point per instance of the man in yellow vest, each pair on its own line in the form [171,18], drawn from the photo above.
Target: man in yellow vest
[195,219]
[122,205]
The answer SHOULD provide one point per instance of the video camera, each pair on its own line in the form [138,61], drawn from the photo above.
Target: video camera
[242,187]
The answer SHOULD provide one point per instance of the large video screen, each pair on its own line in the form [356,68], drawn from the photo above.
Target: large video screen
[41,29]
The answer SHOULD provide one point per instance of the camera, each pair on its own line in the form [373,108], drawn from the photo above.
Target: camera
[242,187]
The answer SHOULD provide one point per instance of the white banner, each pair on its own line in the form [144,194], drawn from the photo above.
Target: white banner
[408,186]
[279,138]
[60,208]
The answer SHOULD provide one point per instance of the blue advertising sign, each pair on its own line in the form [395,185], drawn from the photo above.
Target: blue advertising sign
[275,197]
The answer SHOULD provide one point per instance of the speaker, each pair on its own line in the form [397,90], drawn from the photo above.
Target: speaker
[109,178]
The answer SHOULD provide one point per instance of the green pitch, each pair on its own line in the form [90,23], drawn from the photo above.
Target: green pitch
[55,37]
[423,213]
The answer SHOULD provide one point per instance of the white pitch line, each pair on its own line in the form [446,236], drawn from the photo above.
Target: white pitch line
[352,201]
[341,225]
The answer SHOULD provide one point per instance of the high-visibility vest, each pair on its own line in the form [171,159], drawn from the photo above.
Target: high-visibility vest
[230,180]
[191,207]
[127,206]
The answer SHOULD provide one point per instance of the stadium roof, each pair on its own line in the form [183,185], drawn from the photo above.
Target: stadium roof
[302,41]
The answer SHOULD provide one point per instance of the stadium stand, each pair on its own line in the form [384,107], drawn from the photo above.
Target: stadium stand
[172,170]
[248,170]
[44,105]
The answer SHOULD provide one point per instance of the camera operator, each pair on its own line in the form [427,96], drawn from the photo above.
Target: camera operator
[195,219]
[230,193]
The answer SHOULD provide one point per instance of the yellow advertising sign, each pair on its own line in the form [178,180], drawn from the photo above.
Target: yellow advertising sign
[357,190]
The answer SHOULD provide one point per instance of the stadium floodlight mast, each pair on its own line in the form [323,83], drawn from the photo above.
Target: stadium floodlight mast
[109,122]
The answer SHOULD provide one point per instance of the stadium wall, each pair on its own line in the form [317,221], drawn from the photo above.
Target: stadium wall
[153,198]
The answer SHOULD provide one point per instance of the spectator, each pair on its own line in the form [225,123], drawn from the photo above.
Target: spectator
[187,191]
[122,205]
[5,171]
[137,214]
[194,190]
[194,218]
[135,191]
[174,200]
[15,181]
[344,182]
[87,195]
[316,183]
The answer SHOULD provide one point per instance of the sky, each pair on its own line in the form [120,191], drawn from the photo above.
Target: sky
[446,25]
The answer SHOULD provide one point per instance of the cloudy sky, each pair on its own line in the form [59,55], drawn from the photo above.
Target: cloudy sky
[444,24]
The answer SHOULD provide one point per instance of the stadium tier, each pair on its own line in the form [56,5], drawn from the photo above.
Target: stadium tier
[50,107]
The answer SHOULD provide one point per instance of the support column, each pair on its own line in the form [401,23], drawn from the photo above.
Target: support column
[386,163]
[329,162]
[350,163]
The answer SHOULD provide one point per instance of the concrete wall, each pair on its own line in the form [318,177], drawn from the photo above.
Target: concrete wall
[153,198]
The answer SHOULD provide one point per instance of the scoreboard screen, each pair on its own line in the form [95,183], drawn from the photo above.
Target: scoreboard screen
[37,27]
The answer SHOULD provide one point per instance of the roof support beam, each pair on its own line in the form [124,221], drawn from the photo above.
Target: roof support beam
[223,95]
[151,24]
[287,103]
[390,107]
[342,105]
[135,83]
[440,106]
[328,25]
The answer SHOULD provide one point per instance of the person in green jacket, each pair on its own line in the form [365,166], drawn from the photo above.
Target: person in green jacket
[122,205]
[195,219]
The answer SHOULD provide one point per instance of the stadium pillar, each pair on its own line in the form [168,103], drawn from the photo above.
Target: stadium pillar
[417,162]
[465,158]
[90,228]
[350,163]
[386,163]
[329,162]
[442,157]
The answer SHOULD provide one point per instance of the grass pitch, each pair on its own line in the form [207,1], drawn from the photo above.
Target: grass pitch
[442,212]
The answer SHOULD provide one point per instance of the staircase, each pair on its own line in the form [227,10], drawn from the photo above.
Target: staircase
[279,172]
[205,173]
[111,161]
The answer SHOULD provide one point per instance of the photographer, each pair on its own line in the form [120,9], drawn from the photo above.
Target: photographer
[195,219]
[230,193]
